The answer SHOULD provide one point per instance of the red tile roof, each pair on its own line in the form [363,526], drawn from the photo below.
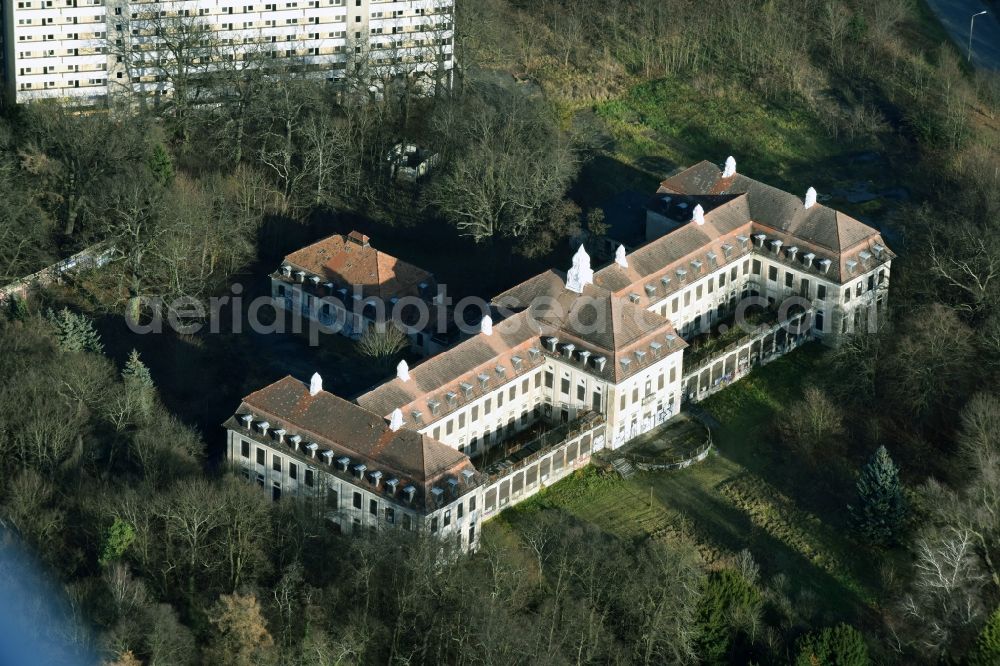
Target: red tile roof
[351,260]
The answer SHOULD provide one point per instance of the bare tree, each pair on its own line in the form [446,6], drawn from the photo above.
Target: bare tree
[382,343]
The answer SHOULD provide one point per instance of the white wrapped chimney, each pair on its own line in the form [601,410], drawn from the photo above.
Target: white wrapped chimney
[810,197]
[396,420]
[315,384]
[486,325]
[730,169]
[403,371]
[699,215]
[620,257]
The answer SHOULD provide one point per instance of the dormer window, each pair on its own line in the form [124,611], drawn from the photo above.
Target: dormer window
[713,258]
[879,249]
[625,363]
[534,353]
[640,355]
[824,264]
[501,371]
[417,415]
[437,492]
[517,362]
[466,390]
[776,245]
[568,349]
[294,441]
[792,251]
[391,484]
[599,362]
[434,406]
[696,265]
[851,265]
[343,462]
[727,249]
[807,259]
[864,255]
[670,338]
[409,492]
[760,238]
[744,241]
[650,290]
[634,298]
[681,273]
[584,355]
[286,270]
[665,280]
[655,347]
[359,470]
[279,434]
[375,477]
[484,380]
[328,457]
[312,447]
[467,475]
[263,426]
[247,419]
[451,398]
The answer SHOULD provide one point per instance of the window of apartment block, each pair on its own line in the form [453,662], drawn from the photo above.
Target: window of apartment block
[373,507]
[437,430]
[788,279]
[499,399]
[722,280]
[538,379]
[859,288]
[449,426]
[487,405]
[357,500]
[821,291]
[881,276]
[276,463]
[512,393]
[407,522]
[674,305]
[447,518]
[596,400]
[660,382]
[804,288]
[635,394]
[260,457]
[460,511]
[847,294]
[564,385]
[581,392]
[475,413]
[621,402]
[390,515]
[687,298]
[332,499]
[461,420]
[819,321]
[772,273]
[756,267]
[293,471]
[524,386]
[472,503]
[434,524]
[548,379]
[309,477]
[673,374]
[245,448]
[697,291]
[711,285]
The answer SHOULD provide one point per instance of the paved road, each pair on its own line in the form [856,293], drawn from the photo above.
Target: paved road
[955,15]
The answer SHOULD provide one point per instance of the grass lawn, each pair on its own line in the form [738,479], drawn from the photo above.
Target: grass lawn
[660,125]
[750,493]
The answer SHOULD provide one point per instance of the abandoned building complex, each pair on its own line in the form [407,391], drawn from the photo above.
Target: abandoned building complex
[576,362]
[83,52]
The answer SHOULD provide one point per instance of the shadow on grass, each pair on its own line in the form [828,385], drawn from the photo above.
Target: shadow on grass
[728,528]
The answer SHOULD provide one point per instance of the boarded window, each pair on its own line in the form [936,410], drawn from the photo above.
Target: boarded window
[571,452]
[491,499]
[543,470]
[517,483]
[531,475]
[585,445]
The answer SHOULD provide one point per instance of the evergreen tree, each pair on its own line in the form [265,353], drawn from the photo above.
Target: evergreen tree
[136,373]
[986,651]
[881,508]
[842,645]
[161,166]
[75,332]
